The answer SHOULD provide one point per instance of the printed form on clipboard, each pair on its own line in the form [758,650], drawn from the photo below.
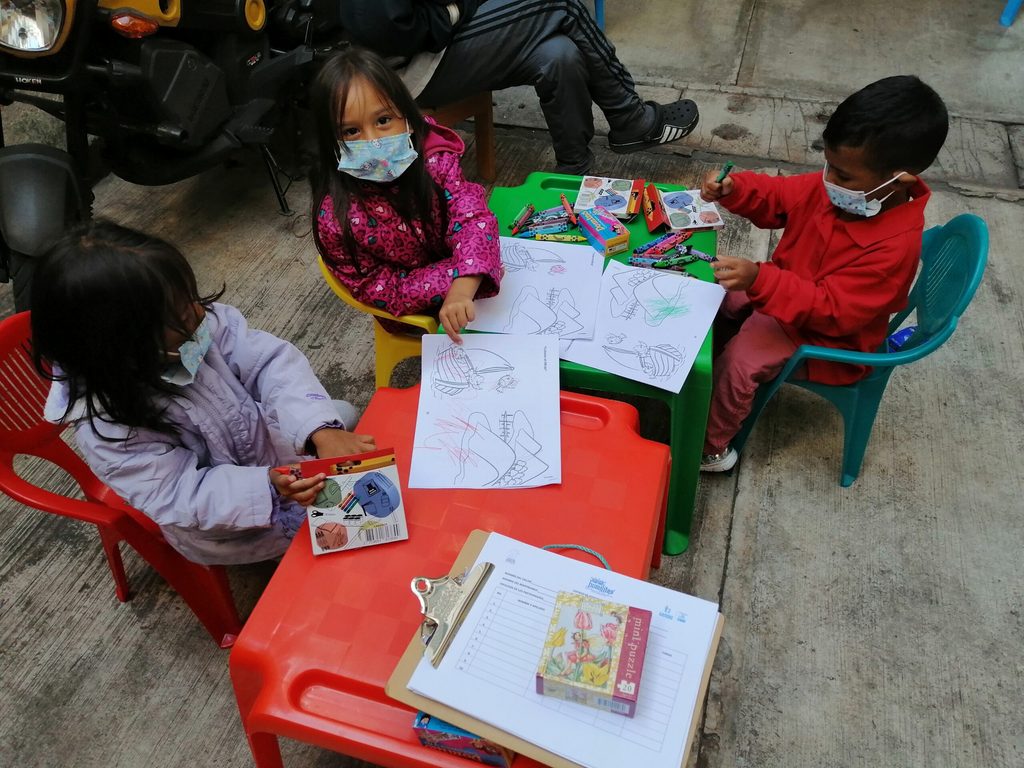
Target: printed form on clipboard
[489,670]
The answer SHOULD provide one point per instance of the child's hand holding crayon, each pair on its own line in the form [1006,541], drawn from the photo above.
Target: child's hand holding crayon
[714,189]
[734,273]
[717,185]
[299,489]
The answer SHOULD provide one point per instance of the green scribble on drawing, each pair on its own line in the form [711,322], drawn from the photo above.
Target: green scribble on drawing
[662,309]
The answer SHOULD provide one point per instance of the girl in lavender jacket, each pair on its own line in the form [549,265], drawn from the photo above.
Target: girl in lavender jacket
[177,404]
[393,217]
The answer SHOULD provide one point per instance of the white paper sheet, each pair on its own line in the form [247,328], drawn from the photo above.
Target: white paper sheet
[549,288]
[489,670]
[650,325]
[488,413]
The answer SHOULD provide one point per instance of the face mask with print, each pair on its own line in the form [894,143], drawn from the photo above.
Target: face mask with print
[854,201]
[190,356]
[383,159]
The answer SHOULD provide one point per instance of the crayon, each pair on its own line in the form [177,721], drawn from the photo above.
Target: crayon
[652,243]
[543,230]
[724,172]
[670,242]
[521,216]
[559,238]
[568,209]
[539,218]
[521,219]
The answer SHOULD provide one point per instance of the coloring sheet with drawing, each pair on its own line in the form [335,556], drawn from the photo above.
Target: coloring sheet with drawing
[489,413]
[650,325]
[489,670]
[549,288]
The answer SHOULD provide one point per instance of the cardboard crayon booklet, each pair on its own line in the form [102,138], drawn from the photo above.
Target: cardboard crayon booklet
[620,197]
[360,504]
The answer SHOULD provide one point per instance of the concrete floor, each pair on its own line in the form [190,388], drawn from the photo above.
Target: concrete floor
[875,625]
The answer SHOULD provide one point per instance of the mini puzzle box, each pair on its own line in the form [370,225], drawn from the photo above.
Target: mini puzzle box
[594,653]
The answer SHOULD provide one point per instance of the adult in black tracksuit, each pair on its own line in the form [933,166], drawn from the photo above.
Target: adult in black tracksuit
[459,48]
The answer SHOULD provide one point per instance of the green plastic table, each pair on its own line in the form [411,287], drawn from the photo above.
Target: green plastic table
[689,408]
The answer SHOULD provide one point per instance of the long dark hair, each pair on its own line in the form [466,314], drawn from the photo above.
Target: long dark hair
[103,299]
[418,195]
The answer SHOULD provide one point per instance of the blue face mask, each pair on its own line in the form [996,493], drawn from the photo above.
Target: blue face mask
[381,160]
[190,356]
[853,200]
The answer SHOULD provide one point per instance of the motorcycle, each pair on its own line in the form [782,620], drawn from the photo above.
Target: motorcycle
[170,88]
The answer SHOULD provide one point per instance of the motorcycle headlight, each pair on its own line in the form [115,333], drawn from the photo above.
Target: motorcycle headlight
[30,25]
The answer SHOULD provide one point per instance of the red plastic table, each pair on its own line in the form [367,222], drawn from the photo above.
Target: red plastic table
[313,658]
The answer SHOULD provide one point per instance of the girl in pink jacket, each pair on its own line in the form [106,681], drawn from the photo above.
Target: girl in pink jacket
[393,217]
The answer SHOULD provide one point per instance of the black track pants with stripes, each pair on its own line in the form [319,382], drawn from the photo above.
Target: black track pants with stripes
[555,46]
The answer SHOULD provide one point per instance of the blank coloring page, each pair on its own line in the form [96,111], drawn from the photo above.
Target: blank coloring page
[488,413]
[650,325]
[549,288]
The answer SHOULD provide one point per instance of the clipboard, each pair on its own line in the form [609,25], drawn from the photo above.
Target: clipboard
[397,686]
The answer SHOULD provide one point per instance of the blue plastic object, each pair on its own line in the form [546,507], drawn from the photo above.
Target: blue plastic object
[599,12]
[1009,13]
[952,262]
[898,339]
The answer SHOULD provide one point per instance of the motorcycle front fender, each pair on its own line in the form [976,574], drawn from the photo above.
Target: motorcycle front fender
[40,196]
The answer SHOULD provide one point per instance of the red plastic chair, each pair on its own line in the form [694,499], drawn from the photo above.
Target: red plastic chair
[24,431]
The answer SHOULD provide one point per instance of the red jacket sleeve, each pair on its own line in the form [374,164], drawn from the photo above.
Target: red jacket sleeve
[843,302]
[765,200]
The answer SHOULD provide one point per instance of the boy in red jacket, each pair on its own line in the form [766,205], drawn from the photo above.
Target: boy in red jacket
[846,260]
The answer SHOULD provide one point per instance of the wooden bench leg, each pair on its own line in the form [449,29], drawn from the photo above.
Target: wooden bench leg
[484,131]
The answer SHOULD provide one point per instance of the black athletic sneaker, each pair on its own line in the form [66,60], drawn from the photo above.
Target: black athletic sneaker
[672,122]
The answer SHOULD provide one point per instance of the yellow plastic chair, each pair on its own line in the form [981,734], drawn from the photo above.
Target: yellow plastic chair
[389,348]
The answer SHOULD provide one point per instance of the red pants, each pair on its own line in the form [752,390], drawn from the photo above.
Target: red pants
[754,348]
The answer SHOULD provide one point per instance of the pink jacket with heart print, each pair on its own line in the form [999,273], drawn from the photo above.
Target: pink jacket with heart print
[396,268]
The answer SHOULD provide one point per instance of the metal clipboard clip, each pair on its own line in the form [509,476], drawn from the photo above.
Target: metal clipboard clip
[445,603]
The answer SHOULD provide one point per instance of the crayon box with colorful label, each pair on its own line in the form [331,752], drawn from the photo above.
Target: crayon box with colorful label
[359,505]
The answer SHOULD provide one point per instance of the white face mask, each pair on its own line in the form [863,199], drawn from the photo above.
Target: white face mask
[190,355]
[854,201]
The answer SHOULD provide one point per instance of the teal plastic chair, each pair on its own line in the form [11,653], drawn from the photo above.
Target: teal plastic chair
[952,261]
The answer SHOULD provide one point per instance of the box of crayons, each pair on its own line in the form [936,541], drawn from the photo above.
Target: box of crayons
[594,653]
[604,232]
[360,504]
[436,733]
